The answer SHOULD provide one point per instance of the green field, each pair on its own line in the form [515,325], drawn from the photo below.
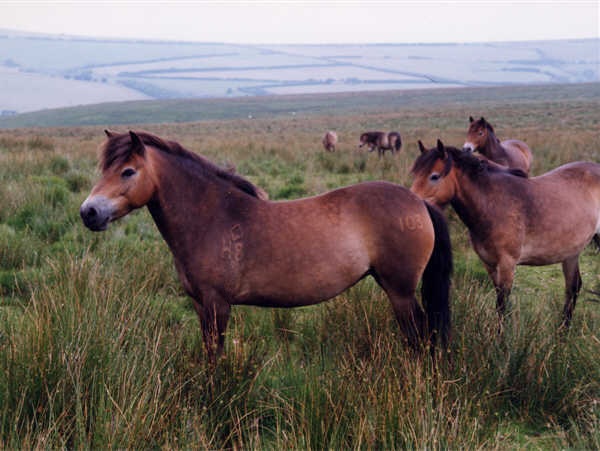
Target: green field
[99,346]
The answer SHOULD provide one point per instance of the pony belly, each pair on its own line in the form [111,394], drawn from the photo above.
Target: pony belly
[302,292]
[538,255]
[299,281]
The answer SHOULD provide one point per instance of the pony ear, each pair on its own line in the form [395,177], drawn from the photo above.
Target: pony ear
[136,144]
[471,120]
[422,147]
[441,149]
[109,133]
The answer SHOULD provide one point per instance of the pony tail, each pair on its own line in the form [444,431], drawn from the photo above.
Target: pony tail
[398,143]
[597,240]
[435,287]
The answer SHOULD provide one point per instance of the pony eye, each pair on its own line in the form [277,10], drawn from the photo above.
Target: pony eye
[434,177]
[127,173]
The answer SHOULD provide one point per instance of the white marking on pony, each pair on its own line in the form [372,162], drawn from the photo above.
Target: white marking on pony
[102,204]
[97,200]
[468,145]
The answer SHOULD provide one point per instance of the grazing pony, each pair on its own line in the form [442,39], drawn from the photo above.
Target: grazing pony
[231,247]
[381,142]
[514,220]
[330,140]
[511,153]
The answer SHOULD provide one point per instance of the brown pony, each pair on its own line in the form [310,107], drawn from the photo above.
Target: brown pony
[381,142]
[231,247]
[330,140]
[511,153]
[513,220]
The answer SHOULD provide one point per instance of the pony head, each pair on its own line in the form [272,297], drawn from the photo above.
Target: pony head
[126,182]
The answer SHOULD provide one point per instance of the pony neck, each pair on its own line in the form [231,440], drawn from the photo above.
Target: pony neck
[492,148]
[187,203]
[468,202]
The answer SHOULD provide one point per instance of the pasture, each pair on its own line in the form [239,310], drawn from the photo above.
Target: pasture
[100,347]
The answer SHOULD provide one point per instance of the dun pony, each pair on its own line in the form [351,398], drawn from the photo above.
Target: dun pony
[381,141]
[330,140]
[512,153]
[514,220]
[231,247]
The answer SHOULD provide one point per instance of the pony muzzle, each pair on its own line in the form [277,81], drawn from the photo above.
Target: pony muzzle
[96,212]
[469,147]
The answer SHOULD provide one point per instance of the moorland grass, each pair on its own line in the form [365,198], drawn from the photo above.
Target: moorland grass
[100,348]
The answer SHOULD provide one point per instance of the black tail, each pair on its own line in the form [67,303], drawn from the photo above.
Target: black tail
[435,288]
[398,143]
[597,240]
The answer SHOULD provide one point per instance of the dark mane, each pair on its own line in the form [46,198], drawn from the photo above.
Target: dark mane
[480,123]
[427,159]
[468,163]
[487,125]
[117,150]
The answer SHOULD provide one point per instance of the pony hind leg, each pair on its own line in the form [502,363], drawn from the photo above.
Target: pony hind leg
[409,314]
[573,284]
[411,318]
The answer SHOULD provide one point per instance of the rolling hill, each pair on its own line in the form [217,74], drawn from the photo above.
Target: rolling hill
[48,71]
[398,103]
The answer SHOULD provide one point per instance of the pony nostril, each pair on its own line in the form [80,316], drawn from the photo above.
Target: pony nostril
[88,212]
[96,214]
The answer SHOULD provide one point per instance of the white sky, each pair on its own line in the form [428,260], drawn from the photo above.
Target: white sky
[309,21]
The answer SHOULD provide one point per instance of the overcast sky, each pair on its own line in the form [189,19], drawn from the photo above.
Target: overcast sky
[309,21]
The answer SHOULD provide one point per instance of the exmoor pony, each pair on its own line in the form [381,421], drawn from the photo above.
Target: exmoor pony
[232,247]
[381,141]
[515,220]
[512,153]
[330,140]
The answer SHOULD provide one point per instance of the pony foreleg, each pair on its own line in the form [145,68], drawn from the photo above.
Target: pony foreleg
[573,285]
[213,313]
[502,275]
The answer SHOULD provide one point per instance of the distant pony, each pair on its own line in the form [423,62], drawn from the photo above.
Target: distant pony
[381,141]
[512,153]
[330,140]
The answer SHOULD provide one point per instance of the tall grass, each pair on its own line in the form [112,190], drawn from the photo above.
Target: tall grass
[99,347]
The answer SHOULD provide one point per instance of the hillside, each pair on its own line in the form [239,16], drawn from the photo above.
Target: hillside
[309,105]
[46,71]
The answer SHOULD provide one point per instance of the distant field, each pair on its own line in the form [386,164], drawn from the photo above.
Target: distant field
[171,70]
[39,91]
